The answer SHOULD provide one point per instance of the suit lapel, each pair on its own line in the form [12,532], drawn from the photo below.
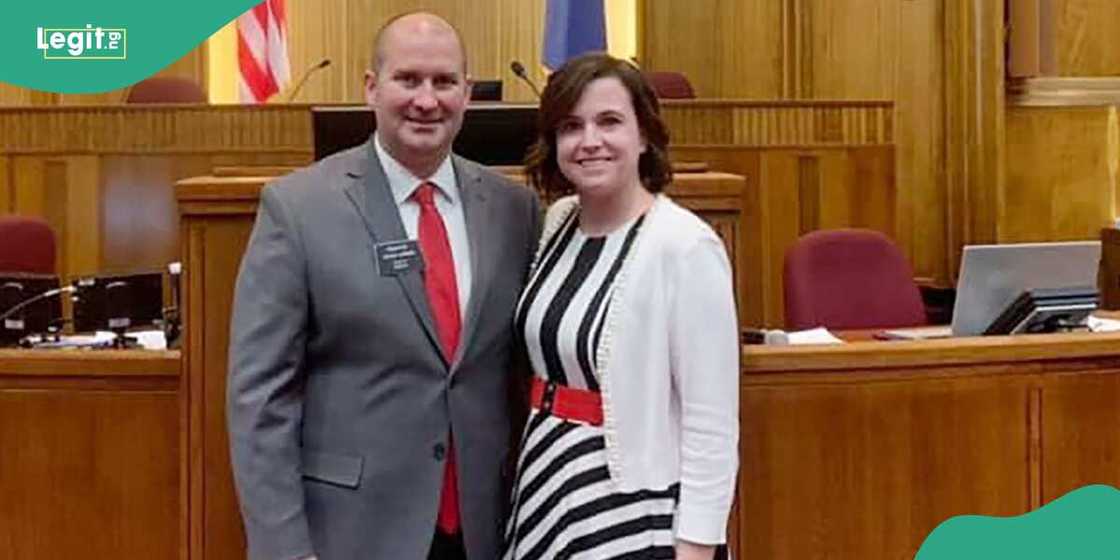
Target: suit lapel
[369,192]
[474,193]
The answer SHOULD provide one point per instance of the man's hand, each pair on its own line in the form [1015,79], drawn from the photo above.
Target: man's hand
[692,551]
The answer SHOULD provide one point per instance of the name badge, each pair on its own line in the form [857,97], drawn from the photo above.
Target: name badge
[395,258]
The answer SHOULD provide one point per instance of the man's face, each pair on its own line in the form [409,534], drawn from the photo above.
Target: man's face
[419,94]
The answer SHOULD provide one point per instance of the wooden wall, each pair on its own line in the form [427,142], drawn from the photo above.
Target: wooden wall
[805,49]
[102,175]
[495,32]
[1086,37]
[1062,135]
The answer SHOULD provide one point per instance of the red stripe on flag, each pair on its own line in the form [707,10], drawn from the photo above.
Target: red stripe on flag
[262,56]
[260,82]
[279,14]
[260,11]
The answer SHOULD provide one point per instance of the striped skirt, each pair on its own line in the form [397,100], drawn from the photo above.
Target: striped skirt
[565,505]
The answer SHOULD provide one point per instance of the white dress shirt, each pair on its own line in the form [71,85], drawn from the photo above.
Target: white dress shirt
[449,202]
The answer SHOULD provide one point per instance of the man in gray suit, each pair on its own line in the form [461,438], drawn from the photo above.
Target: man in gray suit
[372,331]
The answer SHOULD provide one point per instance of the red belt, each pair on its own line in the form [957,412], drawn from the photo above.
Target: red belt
[566,402]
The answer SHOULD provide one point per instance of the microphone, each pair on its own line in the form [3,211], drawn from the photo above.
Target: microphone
[49,293]
[307,74]
[519,71]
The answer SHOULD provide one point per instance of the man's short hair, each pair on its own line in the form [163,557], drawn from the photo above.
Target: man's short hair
[377,57]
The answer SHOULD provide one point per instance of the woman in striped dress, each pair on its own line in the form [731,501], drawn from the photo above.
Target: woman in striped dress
[630,449]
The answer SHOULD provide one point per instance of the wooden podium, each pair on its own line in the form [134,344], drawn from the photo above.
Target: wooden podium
[216,218]
[90,454]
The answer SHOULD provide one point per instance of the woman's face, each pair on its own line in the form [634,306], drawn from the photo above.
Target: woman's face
[599,143]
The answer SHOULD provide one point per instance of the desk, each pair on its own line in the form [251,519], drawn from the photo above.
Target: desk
[860,450]
[90,456]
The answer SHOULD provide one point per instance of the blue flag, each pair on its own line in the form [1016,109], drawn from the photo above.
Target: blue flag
[572,28]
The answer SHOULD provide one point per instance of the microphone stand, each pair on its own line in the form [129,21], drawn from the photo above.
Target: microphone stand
[23,304]
[303,80]
[519,71]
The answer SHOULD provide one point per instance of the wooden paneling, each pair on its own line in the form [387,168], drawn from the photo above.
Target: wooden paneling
[809,165]
[940,62]
[779,123]
[919,85]
[860,450]
[113,203]
[155,130]
[138,204]
[1079,432]
[867,469]
[1063,92]
[98,475]
[216,530]
[6,192]
[1061,173]
[91,457]
[102,176]
[726,49]
[11,95]
[811,49]
[844,60]
[1086,36]
[974,116]
[1063,139]
[791,192]
[495,32]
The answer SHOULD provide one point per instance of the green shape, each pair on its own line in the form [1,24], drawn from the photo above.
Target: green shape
[151,35]
[1083,524]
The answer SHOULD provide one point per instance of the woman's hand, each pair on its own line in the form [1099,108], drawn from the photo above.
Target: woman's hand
[692,551]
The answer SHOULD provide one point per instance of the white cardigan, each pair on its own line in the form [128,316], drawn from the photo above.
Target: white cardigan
[668,364]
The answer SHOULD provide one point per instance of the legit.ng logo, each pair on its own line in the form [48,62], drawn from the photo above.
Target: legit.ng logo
[89,43]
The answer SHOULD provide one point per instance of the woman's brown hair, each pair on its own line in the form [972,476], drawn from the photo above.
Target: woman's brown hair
[562,93]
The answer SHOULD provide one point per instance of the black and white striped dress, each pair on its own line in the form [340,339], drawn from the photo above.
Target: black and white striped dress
[565,504]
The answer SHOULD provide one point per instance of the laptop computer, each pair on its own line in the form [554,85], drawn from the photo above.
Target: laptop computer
[993,276]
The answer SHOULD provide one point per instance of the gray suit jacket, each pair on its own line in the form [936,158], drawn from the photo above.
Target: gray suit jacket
[340,403]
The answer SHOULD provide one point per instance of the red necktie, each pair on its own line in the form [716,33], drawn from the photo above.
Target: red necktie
[443,297]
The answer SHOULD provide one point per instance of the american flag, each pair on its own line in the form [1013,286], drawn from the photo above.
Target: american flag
[262,51]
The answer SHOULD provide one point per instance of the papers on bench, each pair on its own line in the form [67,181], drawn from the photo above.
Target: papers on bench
[819,335]
[1101,324]
[917,333]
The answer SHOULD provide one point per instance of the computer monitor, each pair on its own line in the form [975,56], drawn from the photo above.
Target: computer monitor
[993,276]
[486,90]
[492,133]
[34,317]
[118,302]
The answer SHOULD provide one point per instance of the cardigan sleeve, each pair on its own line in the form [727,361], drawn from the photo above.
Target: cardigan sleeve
[704,361]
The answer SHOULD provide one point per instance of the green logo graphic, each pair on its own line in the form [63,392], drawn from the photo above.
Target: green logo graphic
[78,46]
[1084,524]
[90,43]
